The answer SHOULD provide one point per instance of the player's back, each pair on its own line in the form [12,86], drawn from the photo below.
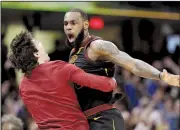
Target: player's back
[50,99]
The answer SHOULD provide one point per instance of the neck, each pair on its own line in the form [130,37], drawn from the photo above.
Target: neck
[86,36]
[40,61]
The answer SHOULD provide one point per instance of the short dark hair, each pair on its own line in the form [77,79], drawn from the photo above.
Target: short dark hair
[83,14]
[22,52]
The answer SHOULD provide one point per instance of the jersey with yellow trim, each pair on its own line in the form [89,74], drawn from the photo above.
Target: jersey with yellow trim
[89,98]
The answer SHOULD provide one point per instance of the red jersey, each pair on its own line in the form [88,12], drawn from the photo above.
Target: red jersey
[51,100]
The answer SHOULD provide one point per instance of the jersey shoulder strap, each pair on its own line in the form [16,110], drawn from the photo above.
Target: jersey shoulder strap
[91,39]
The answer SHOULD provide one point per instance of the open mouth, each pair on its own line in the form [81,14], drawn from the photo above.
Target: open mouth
[71,37]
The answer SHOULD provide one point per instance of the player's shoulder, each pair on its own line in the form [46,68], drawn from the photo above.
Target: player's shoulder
[93,39]
[96,43]
[99,44]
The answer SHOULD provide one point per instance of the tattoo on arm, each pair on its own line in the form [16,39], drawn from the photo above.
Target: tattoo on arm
[143,69]
[106,47]
[110,52]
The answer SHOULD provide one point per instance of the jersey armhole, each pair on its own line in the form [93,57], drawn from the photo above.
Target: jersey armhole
[87,45]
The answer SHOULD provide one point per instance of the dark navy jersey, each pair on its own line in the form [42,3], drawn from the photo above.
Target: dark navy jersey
[89,98]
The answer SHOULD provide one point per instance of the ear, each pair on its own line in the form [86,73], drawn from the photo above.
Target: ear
[86,24]
[36,54]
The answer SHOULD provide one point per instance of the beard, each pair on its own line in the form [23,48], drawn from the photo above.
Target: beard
[79,40]
[77,43]
[69,44]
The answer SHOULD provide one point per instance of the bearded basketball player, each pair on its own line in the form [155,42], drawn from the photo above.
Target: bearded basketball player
[97,56]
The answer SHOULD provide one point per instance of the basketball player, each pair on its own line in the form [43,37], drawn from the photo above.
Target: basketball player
[97,56]
[45,88]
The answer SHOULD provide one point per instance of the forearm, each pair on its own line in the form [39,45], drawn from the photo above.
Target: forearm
[145,70]
[108,51]
[92,81]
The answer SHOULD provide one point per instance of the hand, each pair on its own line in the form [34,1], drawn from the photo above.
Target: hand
[171,79]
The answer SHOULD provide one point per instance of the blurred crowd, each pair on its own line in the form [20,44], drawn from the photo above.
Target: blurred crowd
[146,104]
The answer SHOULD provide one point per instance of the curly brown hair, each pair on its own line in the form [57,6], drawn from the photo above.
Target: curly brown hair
[22,52]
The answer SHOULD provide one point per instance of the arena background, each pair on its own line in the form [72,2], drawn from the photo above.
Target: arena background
[149,31]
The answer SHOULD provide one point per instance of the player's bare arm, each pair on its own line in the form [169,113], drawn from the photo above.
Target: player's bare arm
[106,50]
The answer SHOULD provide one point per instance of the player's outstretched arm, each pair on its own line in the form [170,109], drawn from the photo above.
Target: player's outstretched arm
[82,78]
[108,51]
